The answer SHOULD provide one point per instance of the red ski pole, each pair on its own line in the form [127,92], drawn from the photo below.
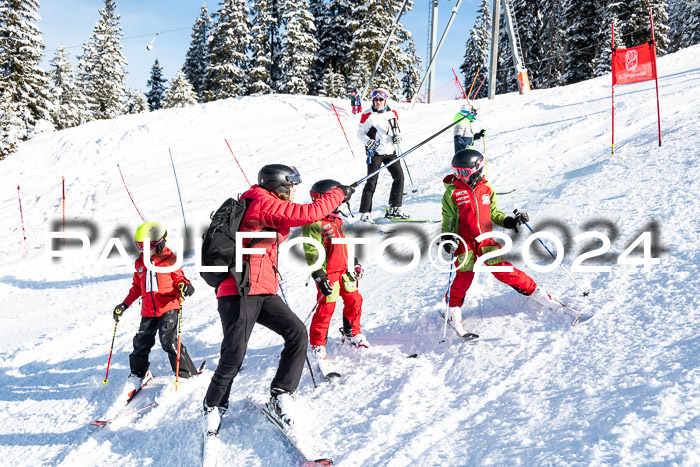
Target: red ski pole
[21,216]
[341,127]
[129,193]
[179,334]
[110,352]
[239,164]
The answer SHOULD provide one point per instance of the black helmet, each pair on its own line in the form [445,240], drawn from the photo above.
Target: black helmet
[273,176]
[467,165]
[323,186]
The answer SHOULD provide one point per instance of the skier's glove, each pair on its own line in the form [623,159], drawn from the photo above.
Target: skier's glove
[359,272]
[480,134]
[348,190]
[186,289]
[513,222]
[448,246]
[119,310]
[397,139]
[321,280]
[372,144]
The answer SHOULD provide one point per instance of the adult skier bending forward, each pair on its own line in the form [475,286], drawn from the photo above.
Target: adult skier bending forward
[271,208]
[469,208]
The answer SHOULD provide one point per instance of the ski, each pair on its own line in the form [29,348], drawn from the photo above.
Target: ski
[104,422]
[505,192]
[326,369]
[468,337]
[576,315]
[293,440]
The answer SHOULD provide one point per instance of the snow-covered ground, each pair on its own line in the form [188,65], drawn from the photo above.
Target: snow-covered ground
[623,388]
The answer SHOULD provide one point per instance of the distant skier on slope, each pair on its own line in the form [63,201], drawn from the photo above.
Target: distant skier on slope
[333,280]
[464,136]
[469,209]
[160,295]
[270,208]
[376,134]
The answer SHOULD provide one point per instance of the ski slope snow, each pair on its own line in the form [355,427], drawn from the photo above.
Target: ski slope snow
[623,388]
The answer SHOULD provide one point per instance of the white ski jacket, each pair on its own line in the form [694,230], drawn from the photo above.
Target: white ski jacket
[380,121]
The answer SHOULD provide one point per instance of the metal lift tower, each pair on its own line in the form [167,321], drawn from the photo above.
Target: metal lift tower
[523,80]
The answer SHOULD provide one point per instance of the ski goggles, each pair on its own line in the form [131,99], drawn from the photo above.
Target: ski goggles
[463,172]
[140,245]
[380,95]
[294,178]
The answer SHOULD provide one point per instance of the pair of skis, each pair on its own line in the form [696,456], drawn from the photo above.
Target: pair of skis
[131,407]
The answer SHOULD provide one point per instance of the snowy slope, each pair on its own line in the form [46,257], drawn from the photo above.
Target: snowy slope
[621,389]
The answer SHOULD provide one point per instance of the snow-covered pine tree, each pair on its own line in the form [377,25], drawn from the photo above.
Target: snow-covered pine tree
[180,94]
[374,20]
[101,66]
[261,47]
[609,13]
[582,20]
[24,82]
[70,107]
[553,43]
[13,128]
[334,33]
[227,70]
[411,77]
[299,47]
[637,29]
[135,102]
[196,58]
[156,87]
[332,84]
[477,50]
[684,20]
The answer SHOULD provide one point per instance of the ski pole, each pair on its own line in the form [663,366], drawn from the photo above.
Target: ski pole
[363,180]
[585,293]
[114,334]
[313,310]
[313,378]
[341,127]
[447,302]
[414,190]
[395,131]
[179,334]
[178,193]
[21,216]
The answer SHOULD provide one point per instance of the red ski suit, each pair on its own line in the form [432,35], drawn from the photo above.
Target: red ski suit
[336,267]
[470,212]
[158,290]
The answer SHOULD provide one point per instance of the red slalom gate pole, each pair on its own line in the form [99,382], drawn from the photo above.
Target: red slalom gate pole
[129,193]
[21,216]
[64,209]
[473,82]
[111,348]
[341,127]
[239,164]
[479,88]
[612,65]
[656,76]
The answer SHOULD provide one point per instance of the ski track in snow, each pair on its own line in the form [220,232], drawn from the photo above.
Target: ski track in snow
[623,388]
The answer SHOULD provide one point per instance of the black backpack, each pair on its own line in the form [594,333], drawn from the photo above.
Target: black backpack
[219,245]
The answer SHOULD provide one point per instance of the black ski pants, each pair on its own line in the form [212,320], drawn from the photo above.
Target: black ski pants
[144,340]
[238,316]
[396,195]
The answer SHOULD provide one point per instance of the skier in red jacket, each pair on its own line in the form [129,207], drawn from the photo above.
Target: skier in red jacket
[270,207]
[160,295]
[333,280]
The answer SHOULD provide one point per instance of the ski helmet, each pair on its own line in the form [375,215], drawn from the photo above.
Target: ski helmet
[156,234]
[468,110]
[322,187]
[467,165]
[278,177]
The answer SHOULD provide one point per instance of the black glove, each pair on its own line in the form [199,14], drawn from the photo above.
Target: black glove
[480,134]
[119,310]
[450,247]
[513,222]
[348,190]
[359,272]
[321,280]
[397,139]
[186,289]
[372,144]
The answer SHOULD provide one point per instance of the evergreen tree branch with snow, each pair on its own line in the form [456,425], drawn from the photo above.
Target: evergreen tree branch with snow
[70,105]
[180,94]
[196,58]
[156,85]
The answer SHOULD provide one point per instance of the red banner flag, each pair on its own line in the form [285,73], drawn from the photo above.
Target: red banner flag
[634,64]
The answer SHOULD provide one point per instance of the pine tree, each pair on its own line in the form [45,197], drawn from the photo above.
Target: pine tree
[25,84]
[196,58]
[332,84]
[477,50]
[101,67]
[156,85]
[13,128]
[299,47]
[227,70]
[684,20]
[553,43]
[70,107]
[135,102]
[261,47]
[636,29]
[180,94]
[609,13]
[582,19]
[412,76]
[334,33]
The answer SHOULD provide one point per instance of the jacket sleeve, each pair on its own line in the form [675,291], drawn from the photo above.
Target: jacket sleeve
[450,214]
[365,124]
[134,292]
[288,215]
[310,251]
[178,277]
[497,216]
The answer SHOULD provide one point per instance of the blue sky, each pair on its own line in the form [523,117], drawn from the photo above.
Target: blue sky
[70,22]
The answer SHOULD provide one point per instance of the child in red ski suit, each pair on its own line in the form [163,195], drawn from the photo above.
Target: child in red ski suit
[333,279]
